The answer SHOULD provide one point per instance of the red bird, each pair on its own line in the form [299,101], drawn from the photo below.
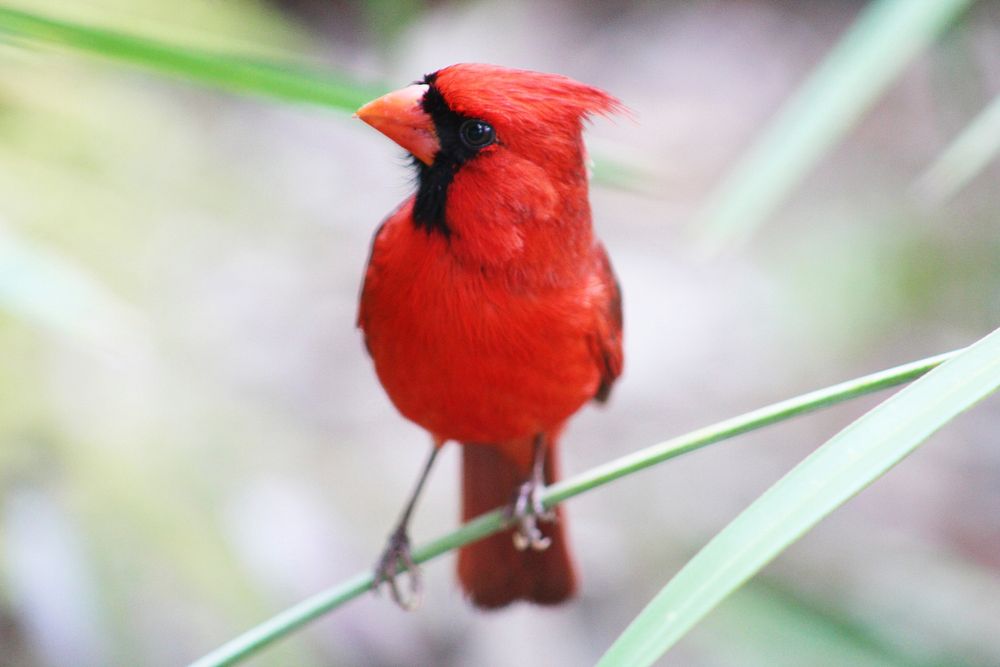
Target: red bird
[490,308]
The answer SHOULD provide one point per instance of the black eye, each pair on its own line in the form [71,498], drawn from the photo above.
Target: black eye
[476,133]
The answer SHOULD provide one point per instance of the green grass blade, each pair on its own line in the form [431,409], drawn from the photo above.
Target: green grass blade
[289,83]
[824,481]
[964,159]
[884,38]
[294,618]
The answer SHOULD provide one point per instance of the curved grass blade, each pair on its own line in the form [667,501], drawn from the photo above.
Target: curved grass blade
[294,618]
[964,159]
[290,83]
[824,481]
[884,38]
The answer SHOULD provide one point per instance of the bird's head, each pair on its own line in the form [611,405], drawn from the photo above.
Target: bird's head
[488,138]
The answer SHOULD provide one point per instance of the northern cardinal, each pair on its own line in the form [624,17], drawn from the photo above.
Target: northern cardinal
[489,307]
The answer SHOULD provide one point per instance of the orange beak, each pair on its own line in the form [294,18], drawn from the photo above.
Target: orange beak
[401,117]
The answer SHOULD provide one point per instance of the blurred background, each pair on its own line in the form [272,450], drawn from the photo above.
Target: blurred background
[192,437]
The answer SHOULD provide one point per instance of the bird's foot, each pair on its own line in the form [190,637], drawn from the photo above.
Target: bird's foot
[525,513]
[396,559]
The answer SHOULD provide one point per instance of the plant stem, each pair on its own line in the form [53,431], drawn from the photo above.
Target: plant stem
[326,601]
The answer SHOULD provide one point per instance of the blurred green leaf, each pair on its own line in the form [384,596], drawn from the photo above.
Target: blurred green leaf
[964,159]
[827,479]
[620,175]
[869,57]
[281,81]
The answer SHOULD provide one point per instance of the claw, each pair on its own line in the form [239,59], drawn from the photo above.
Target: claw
[388,570]
[526,512]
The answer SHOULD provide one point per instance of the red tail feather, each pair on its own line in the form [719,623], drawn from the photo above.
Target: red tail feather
[492,572]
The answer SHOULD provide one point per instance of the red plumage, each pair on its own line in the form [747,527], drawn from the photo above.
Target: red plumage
[494,324]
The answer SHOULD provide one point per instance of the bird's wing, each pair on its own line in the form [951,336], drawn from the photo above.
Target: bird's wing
[607,336]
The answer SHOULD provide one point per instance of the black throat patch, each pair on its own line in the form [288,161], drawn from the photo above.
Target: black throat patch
[433,180]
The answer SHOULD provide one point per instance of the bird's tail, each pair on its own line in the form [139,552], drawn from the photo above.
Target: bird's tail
[492,571]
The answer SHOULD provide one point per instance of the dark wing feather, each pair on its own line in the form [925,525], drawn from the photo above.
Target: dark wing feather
[608,334]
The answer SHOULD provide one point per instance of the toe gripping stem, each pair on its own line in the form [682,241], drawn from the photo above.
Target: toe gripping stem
[527,509]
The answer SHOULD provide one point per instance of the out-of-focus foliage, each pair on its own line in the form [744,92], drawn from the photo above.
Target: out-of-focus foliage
[868,59]
[198,439]
[227,71]
[966,157]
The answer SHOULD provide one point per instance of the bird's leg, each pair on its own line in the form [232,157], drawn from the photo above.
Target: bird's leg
[527,509]
[397,557]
